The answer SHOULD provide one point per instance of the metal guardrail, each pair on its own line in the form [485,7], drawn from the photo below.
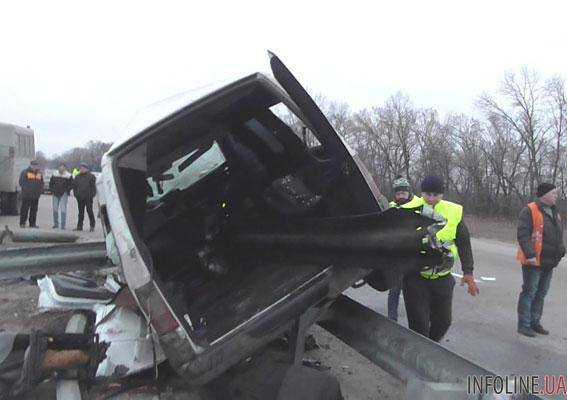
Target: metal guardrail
[429,370]
[52,259]
[37,236]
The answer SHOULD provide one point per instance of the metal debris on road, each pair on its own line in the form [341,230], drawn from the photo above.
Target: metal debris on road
[37,236]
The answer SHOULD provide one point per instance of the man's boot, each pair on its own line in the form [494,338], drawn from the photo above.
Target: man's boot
[78,228]
[529,332]
[540,329]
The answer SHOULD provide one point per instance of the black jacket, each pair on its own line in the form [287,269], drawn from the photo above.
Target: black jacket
[60,184]
[84,186]
[553,248]
[31,183]
[463,242]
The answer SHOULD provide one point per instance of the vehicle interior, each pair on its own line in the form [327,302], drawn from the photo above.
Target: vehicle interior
[194,179]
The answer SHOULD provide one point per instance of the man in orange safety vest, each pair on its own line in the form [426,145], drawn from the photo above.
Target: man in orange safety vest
[541,247]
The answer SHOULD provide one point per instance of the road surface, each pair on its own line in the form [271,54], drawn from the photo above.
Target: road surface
[484,328]
[45,218]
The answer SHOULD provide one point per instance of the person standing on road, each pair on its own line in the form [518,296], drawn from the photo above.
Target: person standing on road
[31,182]
[84,188]
[402,195]
[60,186]
[541,247]
[428,294]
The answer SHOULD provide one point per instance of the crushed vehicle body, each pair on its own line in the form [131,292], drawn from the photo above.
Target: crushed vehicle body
[28,359]
[236,220]
[241,215]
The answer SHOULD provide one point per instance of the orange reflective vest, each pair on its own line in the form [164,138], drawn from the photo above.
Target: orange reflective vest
[537,235]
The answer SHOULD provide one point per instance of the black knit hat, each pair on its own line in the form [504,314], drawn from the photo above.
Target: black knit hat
[544,188]
[432,184]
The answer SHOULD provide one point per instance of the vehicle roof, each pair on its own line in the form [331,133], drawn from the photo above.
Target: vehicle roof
[162,110]
[4,126]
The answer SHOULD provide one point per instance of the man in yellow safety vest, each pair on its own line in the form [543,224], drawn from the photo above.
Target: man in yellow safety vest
[428,294]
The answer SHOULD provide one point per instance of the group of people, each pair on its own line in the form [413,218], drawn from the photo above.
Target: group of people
[81,182]
[428,294]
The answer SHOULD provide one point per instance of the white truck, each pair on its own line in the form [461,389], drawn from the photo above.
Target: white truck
[17,149]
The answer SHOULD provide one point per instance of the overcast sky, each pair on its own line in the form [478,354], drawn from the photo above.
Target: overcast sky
[77,73]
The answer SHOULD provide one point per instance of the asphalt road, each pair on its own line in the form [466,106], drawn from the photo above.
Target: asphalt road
[484,327]
[45,218]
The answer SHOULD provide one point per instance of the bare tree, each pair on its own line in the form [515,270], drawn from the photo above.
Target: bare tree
[557,99]
[525,112]
[91,154]
[398,118]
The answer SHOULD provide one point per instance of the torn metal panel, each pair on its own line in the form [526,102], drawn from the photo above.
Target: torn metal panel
[72,293]
[133,347]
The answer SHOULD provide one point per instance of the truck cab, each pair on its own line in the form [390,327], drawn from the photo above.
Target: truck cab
[17,150]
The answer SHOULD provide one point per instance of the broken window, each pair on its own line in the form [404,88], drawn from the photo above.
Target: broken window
[296,124]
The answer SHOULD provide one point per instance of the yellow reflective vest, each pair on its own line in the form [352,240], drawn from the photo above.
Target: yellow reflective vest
[413,201]
[448,212]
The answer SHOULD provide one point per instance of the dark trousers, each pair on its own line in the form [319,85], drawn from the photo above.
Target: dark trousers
[88,204]
[428,304]
[535,287]
[29,205]
[394,300]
